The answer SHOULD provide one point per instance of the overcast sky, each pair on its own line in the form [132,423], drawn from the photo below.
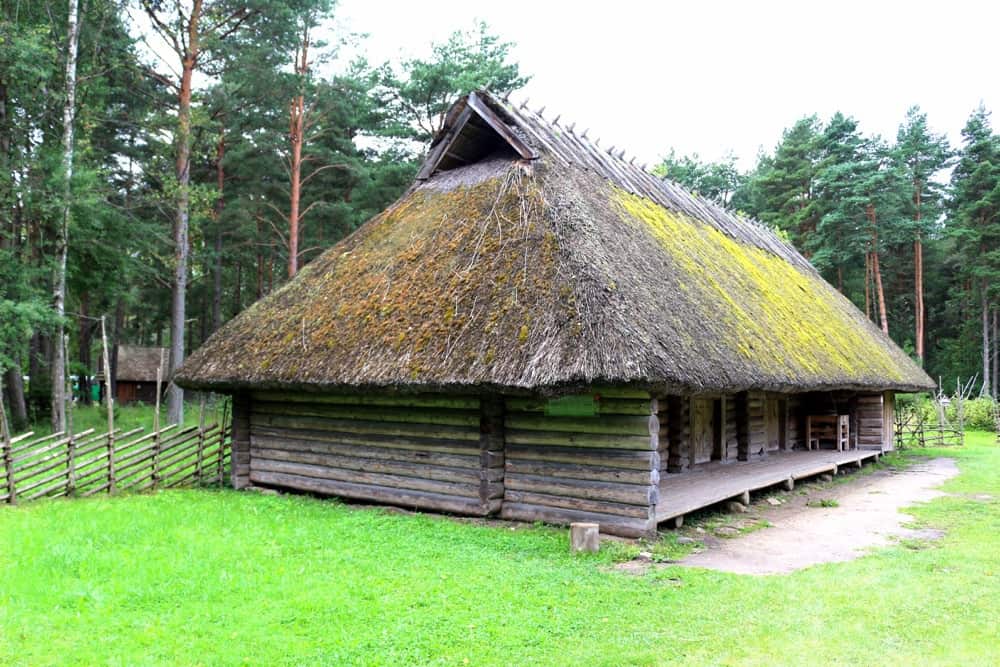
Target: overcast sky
[712,76]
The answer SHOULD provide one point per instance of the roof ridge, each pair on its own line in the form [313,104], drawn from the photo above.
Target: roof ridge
[587,153]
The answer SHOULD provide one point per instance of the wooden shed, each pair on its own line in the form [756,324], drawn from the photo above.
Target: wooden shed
[541,330]
[135,376]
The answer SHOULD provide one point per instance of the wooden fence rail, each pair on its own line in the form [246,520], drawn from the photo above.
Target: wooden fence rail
[85,463]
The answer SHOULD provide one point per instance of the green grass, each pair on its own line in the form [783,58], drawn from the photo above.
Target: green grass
[824,502]
[219,577]
[127,417]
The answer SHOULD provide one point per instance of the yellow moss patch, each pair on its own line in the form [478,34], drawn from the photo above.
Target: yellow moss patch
[774,314]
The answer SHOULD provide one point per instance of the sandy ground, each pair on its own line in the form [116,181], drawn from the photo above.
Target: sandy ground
[867,516]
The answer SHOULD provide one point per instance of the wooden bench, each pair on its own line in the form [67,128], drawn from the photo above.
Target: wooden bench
[832,429]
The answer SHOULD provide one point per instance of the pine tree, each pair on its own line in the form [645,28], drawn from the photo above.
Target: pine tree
[975,219]
[921,155]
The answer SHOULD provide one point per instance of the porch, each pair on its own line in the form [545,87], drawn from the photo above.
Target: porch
[710,483]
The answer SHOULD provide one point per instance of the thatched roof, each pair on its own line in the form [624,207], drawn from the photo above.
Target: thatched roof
[139,364]
[525,258]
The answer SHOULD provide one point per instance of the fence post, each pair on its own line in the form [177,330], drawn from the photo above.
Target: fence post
[201,438]
[110,402]
[156,424]
[5,441]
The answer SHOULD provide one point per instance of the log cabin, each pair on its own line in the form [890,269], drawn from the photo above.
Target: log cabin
[541,330]
[135,374]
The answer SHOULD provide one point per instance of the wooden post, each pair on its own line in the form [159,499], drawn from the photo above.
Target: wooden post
[155,476]
[201,438]
[742,427]
[239,459]
[7,456]
[491,453]
[222,442]
[585,537]
[68,411]
[110,403]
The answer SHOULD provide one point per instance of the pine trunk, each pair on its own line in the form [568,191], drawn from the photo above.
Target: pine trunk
[296,186]
[918,272]
[175,398]
[14,387]
[986,337]
[996,354]
[296,134]
[868,291]
[918,261]
[59,397]
[220,183]
[876,271]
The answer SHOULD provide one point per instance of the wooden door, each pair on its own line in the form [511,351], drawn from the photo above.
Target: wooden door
[772,424]
[702,430]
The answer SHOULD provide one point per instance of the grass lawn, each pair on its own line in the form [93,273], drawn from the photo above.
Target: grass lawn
[219,577]
[127,417]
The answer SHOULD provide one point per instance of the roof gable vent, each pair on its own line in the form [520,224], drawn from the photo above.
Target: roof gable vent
[471,133]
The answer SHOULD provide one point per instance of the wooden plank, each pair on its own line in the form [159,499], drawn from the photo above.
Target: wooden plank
[414,401]
[366,427]
[611,425]
[576,439]
[612,458]
[381,494]
[387,415]
[632,494]
[361,477]
[272,443]
[441,446]
[429,469]
[567,502]
[578,471]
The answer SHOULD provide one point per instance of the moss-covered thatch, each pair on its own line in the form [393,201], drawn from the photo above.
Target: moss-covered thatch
[572,269]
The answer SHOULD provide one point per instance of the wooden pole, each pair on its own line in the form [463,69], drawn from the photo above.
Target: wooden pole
[156,424]
[7,455]
[222,442]
[201,437]
[110,403]
[70,443]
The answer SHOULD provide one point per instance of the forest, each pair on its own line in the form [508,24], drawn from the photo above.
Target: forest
[166,163]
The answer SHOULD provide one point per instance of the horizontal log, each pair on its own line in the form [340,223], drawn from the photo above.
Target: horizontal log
[366,427]
[469,460]
[373,414]
[61,475]
[415,401]
[25,446]
[613,458]
[42,450]
[636,426]
[380,494]
[443,446]
[609,524]
[631,494]
[428,469]
[579,471]
[620,392]
[599,441]
[57,486]
[582,504]
[361,477]
[606,406]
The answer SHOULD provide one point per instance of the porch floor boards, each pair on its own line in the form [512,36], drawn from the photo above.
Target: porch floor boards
[710,483]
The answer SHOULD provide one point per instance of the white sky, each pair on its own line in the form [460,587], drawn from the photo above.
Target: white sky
[710,76]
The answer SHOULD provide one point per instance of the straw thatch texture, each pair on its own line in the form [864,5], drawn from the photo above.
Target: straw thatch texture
[549,274]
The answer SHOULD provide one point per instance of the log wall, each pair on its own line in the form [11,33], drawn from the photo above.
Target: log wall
[432,452]
[240,467]
[602,469]
[794,423]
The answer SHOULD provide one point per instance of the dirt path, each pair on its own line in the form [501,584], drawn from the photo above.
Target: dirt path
[867,515]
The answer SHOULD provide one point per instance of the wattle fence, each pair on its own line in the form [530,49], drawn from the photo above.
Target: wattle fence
[87,463]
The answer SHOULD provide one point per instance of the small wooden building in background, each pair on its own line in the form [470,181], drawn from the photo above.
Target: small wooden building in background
[135,378]
[541,330]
